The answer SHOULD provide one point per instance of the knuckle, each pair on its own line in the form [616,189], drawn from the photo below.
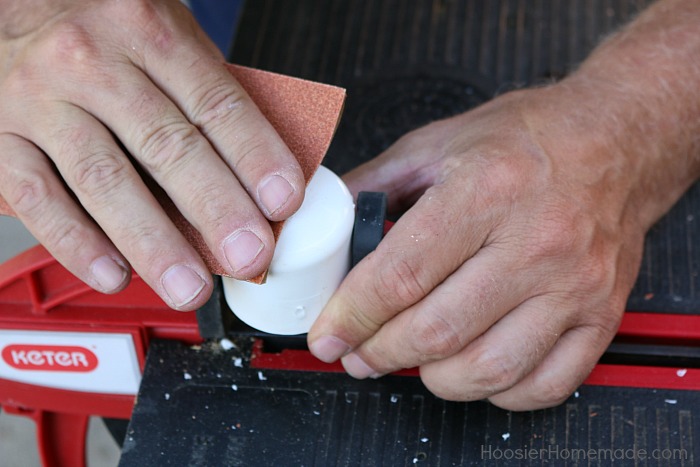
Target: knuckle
[553,391]
[499,177]
[167,146]
[64,236]
[69,50]
[148,250]
[22,81]
[595,277]
[436,205]
[495,371]
[29,193]
[248,153]
[72,44]
[603,326]
[435,337]
[213,210]
[158,30]
[592,282]
[147,240]
[99,172]
[399,284]
[218,105]
[448,392]
[358,319]
[556,237]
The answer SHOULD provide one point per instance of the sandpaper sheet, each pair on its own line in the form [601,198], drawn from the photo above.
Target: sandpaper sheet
[304,113]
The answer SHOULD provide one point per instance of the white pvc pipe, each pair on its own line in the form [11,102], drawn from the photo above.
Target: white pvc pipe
[311,258]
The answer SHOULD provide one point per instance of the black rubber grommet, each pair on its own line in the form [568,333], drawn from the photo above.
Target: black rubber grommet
[369,224]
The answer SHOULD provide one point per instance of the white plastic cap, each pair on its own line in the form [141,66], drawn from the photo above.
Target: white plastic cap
[311,258]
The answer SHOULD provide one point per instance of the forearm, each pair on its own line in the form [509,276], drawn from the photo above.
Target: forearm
[641,105]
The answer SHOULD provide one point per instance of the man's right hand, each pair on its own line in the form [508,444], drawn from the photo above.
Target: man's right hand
[83,83]
[508,273]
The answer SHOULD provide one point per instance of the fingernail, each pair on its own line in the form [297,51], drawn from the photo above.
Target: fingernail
[241,249]
[274,192]
[182,284]
[357,368]
[108,274]
[328,348]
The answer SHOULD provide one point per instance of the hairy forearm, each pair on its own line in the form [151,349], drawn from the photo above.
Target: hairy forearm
[641,102]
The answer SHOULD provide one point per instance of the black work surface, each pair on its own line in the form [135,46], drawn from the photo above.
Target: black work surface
[405,63]
[197,408]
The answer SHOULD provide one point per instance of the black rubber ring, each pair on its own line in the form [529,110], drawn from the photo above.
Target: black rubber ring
[369,224]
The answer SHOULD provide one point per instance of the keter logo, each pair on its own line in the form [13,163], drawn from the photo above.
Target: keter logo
[50,358]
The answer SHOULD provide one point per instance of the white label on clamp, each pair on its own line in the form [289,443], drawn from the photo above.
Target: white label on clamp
[76,361]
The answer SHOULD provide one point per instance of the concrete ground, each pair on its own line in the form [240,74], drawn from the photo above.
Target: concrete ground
[18,434]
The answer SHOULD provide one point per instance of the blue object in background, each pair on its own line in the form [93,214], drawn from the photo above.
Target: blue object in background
[218,18]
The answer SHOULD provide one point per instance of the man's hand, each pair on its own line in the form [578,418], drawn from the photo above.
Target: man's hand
[83,83]
[507,276]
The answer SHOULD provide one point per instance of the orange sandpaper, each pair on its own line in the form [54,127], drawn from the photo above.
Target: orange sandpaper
[304,113]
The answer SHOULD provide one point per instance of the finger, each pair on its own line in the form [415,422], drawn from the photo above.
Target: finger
[503,355]
[404,171]
[197,81]
[422,249]
[182,161]
[33,190]
[560,373]
[111,190]
[460,309]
